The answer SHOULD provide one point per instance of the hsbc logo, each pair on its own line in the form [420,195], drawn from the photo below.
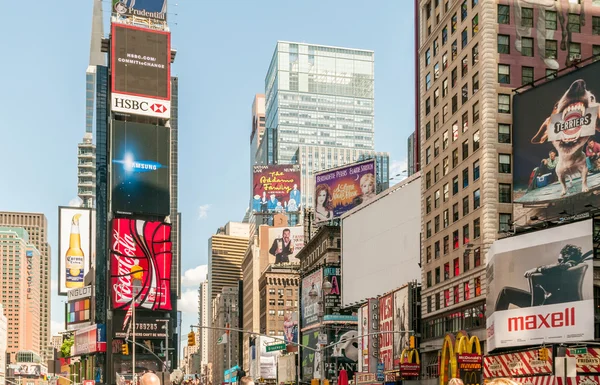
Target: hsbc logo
[540,321]
[140,106]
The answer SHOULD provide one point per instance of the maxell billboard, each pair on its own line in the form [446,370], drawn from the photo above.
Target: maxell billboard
[140,264]
[556,154]
[140,168]
[149,9]
[540,287]
[141,75]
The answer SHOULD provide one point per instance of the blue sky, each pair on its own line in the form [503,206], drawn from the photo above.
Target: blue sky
[224,49]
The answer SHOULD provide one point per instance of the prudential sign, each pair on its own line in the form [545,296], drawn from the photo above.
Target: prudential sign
[540,287]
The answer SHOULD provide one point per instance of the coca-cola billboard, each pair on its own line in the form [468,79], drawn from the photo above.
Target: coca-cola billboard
[140,251]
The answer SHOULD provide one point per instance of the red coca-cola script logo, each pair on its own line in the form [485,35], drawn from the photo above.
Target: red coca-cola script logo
[141,249]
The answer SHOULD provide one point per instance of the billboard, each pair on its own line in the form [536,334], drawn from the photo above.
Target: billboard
[340,190]
[141,75]
[141,255]
[386,323]
[556,156]
[310,305]
[74,247]
[140,168]
[146,327]
[151,9]
[290,328]
[268,360]
[311,360]
[27,369]
[380,243]
[91,339]
[79,308]
[276,188]
[401,323]
[285,243]
[540,287]
[344,355]
[333,298]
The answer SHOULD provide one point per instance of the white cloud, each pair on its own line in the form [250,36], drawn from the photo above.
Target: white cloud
[193,277]
[203,211]
[75,202]
[398,167]
[188,304]
[56,327]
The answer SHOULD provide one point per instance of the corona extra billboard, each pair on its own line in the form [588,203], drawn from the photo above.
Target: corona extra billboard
[461,357]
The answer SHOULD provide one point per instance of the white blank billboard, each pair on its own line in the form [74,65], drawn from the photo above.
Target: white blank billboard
[381,243]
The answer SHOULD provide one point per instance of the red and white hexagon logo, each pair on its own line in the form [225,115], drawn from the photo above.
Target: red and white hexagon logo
[158,108]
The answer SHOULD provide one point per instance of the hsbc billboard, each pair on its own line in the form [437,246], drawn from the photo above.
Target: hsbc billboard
[540,287]
[141,106]
[141,71]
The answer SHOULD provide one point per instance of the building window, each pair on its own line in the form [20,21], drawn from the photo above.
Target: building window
[446,271]
[526,75]
[477,286]
[455,185]
[503,73]
[428,57]
[475,83]
[436,199]
[504,44]
[465,206]
[454,76]
[464,38]
[550,74]
[428,205]
[476,141]
[436,224]
[444,35]
[474,3]
[427,130]
[504,193]
[444,61]
[445,166]
[455,243]
[428,179]
[464,66]
[475,170]
[454,49]
[527,46]
[477,257]
[436,97]
[455,213]
[463,11]
[465,177]
[551,49]
[427,106]
[435,48]
[445,87]
[503,14]
[436,122]
[475,54]
[574,23]
[437,301]
[465,121]
[429,304]
[446,218]
[527,17]
[476,199]
[454,103]
[444,113]
[428,229]
[504,163]
[595,25]
[574,51]
[446,244]
[466,234]
[436,249]
[446,190]
[475,25]
[464,94]
[476,228]
[456,266]
[505,222]
[436,148]
[551,20]
[504,103]
[466,291]
[436,173]
[428,81]
[453,23]
[436,71]
[465,149]
[437,275]
[428,254]
[429,279]
[428,155]
[466,262]
[456,295]
[596,52]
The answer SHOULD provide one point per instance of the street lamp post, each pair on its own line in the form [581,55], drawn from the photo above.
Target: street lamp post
[313,293]
[137,285]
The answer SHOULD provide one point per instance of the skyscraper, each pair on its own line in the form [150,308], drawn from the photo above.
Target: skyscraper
[203,320]
[36,227]
[472,55]
[86,150]
[21,298]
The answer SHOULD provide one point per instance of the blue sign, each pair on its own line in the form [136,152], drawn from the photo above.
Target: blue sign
[380,368]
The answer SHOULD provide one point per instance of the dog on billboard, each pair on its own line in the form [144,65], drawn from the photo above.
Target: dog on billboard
[569,143]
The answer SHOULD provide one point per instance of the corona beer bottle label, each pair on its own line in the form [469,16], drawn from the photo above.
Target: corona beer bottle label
[74,257]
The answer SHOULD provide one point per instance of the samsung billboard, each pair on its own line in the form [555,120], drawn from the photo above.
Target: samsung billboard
[556,153]
[540,287]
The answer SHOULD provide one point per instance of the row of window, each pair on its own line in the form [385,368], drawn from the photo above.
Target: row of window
[289,292]
[463,319]
[281,302]
[551,19]
[463,13]
[456,267]
[440,302]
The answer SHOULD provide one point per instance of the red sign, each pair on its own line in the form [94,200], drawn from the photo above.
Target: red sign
[579,380]
[386,324]
[519,364]
[469,362]
[89,382]
[589,362]
[141,251]
[408,370]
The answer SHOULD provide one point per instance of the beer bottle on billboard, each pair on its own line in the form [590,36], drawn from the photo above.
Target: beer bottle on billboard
[74,256]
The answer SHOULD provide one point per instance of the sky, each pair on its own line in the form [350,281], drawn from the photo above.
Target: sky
[223,52]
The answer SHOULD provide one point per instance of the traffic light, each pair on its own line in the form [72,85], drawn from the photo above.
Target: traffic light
[191,338]
[543,353]
[411,340]
[125,349]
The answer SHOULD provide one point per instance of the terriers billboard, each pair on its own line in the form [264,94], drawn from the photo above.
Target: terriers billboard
[556,156]
[340,190]
[540,287]
[140,255]
[140,168]
[151,9]
[141,75]
[276,188]
[74,247]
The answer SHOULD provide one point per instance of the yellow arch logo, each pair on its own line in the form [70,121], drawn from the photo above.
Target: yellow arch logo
[452,347]
[407,356]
